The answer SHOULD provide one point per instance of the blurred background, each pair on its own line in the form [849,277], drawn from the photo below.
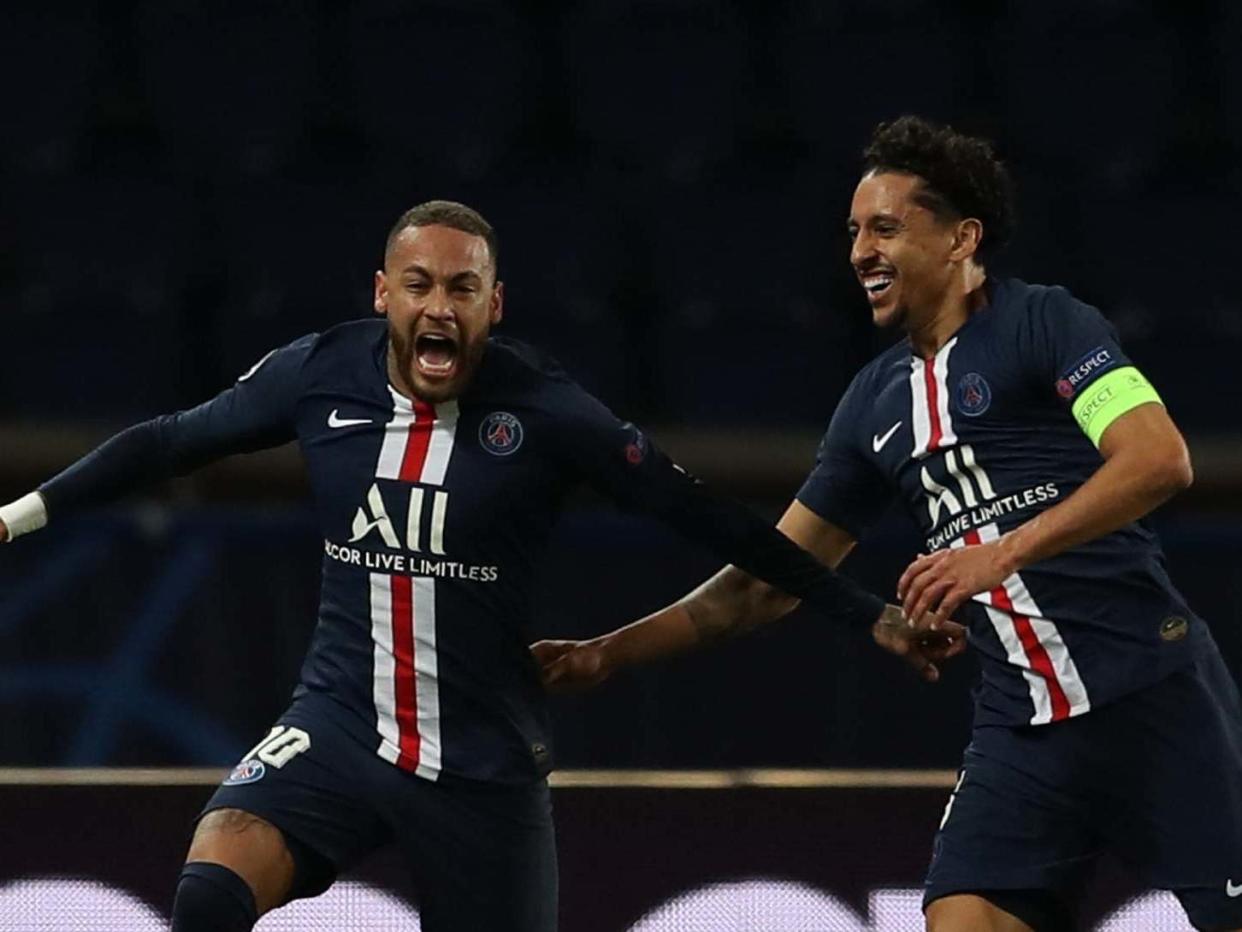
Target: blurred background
[184,186]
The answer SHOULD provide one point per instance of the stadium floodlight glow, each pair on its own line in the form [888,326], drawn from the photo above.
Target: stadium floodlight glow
[752,906]
[71,904]
[356,907]
[1157,911]
[787,906]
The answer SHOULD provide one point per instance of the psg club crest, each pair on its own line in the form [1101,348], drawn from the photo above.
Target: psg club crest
[974,395]
[500,433]
[248,771]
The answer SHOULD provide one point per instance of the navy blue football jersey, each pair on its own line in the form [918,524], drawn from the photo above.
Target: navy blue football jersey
[982,438]
[433,517]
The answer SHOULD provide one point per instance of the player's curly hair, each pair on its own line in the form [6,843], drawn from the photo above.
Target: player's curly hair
[962,177]
[447,214]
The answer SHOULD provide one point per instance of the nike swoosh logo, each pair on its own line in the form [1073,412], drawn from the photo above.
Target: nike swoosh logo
[335,420]
[877,442]
[1231,890]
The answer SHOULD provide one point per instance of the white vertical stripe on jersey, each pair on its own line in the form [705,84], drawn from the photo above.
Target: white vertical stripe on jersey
[918,409]
[396,435]
[940,370]
[426,677]
[1002,624]
[423,589]
[440,449]
[921,401]
[384,668]
[1049,637]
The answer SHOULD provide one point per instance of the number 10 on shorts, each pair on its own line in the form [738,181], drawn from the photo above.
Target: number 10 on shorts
[282,744]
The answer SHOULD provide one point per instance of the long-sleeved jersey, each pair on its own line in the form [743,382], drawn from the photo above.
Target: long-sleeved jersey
[995,428]
[433,517]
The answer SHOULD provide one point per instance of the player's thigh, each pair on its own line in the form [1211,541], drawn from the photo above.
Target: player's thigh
[1016,821]
[968,912]
[1177,814]
[250,847]
[481,857]
[307,791]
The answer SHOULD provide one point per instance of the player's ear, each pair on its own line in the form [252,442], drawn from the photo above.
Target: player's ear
[497,309]
[381,293]
[966,238]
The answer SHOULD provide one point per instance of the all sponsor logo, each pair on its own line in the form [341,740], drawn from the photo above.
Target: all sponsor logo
[501,433]
[974,395]
[248,771]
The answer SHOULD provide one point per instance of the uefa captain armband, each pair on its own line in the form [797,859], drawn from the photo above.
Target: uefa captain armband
[1109,397]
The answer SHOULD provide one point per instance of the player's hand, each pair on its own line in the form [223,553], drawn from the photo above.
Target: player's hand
[936,585]
[923,650]
[4,533]
[567,666]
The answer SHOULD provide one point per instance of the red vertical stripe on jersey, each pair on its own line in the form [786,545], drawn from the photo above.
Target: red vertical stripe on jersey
[1036,655]
[417,442]
[933,403]
[403,653]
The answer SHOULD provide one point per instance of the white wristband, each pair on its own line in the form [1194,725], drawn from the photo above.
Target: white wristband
[28,513]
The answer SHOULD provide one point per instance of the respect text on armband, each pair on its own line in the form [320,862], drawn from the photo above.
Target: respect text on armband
[412,564]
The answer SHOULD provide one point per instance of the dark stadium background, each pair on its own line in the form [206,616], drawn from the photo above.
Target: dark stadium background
[184,186]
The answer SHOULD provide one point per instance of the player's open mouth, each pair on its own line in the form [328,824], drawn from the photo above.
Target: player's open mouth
[877,285]
[435,355]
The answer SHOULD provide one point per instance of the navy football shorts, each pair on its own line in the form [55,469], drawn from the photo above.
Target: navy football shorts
[481,856]
[1155,777]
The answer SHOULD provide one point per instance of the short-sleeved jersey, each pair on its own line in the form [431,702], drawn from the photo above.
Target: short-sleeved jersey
[980,439]
[433,518]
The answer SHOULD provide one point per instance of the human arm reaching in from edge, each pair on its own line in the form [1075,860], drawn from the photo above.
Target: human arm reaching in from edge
[255,413]
[728,604]
[1145,464]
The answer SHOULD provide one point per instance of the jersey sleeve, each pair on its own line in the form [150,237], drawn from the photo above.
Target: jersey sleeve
[255,413]
[845,488]
[621,461]
[1071,348]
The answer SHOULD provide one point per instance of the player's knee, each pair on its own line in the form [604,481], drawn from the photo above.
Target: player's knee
[212,898]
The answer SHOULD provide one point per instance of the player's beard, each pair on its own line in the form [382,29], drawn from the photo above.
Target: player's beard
[401,351]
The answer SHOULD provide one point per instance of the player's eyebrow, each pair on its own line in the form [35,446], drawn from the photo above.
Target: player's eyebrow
[416,269]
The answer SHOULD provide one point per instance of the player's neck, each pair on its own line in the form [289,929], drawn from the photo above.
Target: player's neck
[961,301]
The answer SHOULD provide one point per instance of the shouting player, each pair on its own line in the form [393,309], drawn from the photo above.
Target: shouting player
[1028,447]
[439,459]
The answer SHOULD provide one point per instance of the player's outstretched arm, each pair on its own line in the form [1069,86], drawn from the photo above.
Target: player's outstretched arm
[1146,462]
[256,412]
[728,604]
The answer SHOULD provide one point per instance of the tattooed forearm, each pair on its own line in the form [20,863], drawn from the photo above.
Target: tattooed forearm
[732,603]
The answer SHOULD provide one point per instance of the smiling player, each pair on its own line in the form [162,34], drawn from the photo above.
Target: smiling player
[1027,447]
